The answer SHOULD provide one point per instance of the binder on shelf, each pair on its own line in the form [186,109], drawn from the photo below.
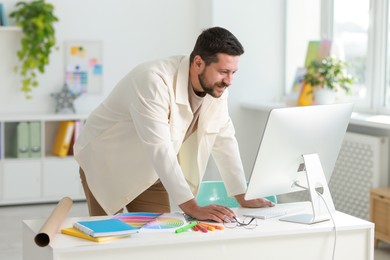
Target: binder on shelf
[22,142]
[63,138]
[35,139]
[76,131]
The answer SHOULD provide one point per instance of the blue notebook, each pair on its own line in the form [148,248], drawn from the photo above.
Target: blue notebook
[105,227]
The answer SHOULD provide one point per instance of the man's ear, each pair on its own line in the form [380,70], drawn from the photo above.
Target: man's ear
[198,61]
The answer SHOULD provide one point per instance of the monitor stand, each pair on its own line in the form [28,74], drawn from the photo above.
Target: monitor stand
[315,179]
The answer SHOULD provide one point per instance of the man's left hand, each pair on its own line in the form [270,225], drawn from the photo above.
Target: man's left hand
[254,203]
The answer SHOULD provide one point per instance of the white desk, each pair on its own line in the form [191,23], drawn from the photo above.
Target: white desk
[272,239]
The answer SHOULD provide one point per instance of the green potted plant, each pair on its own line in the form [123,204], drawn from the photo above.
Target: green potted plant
[328,76]
[36,19]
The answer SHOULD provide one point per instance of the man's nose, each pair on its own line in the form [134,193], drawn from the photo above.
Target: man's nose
[227,81]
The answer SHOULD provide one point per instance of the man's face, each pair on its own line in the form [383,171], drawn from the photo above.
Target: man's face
[216,77]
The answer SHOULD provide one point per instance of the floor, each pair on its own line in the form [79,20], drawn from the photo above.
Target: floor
[11,228]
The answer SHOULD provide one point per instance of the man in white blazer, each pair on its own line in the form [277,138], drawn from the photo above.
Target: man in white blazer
[154,134]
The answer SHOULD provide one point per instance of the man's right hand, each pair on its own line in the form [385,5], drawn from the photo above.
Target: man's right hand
[213,212]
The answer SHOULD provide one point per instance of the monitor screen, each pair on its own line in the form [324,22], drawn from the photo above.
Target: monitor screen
[290,133]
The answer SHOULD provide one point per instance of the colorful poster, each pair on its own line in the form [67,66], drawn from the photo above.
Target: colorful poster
[84,67]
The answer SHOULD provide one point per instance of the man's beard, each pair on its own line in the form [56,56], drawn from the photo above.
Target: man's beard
[207,89]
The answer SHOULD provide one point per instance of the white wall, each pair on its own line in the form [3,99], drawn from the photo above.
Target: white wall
[302,25]
[133,31]
[259,25]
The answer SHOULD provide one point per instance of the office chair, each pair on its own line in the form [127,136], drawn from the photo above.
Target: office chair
[214,192]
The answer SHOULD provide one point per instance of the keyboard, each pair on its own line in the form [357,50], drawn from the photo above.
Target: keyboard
[277,211]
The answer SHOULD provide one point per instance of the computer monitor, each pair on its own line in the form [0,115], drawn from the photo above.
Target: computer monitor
[300,146]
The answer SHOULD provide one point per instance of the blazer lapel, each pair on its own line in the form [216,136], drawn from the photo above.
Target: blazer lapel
[181,87]
[180,110]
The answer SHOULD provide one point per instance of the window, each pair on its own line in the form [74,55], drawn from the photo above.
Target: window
[360,32]
[363,33]
[350,39]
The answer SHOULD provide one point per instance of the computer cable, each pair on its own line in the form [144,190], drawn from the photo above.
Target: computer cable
[330,214]
[334,225]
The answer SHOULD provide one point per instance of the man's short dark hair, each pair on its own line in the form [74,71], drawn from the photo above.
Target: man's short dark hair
[213,41]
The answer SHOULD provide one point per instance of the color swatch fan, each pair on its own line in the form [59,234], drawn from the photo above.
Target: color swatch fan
[137,219]
[153,222]
[164,222]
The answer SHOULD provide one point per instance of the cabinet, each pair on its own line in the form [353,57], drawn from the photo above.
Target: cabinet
[39,176]
[380,214]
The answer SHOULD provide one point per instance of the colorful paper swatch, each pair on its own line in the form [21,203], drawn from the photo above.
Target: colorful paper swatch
[152,222]
[164,223]
[137,219]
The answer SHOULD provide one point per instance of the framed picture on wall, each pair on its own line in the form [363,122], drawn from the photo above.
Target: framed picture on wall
[83,66]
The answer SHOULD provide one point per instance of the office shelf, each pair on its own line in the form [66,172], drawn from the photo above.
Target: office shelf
[10,29]
[40,176]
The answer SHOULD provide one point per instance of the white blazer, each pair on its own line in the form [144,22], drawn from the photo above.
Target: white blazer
[135,137]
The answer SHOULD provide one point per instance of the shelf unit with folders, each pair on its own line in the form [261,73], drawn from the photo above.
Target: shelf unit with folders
[30,172]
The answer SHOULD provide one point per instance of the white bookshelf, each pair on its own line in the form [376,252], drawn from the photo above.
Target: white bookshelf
[46,178]
[10,29]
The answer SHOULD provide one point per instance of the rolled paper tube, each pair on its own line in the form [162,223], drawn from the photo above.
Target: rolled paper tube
[53,222]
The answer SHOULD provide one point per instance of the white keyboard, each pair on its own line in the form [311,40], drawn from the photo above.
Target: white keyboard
[277,211]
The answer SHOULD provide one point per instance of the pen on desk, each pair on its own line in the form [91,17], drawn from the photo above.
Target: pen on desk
[218,227]
[211,225]
[202,228]
[190,225]
[204,225]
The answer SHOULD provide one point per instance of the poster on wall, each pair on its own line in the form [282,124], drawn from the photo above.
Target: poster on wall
[84,67]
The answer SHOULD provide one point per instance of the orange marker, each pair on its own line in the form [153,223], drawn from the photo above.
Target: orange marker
[214,226]
[218,227]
